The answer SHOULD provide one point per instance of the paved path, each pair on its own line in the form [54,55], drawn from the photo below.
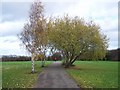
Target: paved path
[54,76]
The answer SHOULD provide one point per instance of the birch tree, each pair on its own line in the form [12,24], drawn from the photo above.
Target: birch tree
[32,30]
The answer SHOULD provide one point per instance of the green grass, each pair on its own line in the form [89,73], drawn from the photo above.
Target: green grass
[18,74]
[95,74]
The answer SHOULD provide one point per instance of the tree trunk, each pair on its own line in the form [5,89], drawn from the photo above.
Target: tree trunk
[74,59]
[69,57]
[33,64]
[43,62]
[67,63]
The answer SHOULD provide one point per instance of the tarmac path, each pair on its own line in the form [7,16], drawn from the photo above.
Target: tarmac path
[54,76]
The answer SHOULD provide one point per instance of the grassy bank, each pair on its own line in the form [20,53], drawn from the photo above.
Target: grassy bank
[18,74]
[95,74]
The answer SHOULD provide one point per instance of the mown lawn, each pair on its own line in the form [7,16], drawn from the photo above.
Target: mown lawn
[95,74]
[18,74]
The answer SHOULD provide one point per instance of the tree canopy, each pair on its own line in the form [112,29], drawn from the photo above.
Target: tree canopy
[33,36]
[73,37]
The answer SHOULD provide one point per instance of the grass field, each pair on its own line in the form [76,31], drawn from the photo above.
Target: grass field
[95,74]
[18,74]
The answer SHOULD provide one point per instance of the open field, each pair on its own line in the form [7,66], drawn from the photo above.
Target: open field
[18,74]
[95,74]
[88,74]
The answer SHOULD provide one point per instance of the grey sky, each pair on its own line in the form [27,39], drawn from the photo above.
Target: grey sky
[15,14]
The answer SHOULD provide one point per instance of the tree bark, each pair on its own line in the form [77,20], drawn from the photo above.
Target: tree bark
[43,62]
[74,59]
[70,60]
[33,64]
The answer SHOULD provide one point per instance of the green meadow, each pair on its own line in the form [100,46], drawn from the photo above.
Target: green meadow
[95,74]
[18,74]
[87,74]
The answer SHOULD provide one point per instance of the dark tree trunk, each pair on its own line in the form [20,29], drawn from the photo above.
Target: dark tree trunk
[43,63]
[70,59]
[69,62]
[67,65]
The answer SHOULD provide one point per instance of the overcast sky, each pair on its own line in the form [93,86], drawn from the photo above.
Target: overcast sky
[14,14]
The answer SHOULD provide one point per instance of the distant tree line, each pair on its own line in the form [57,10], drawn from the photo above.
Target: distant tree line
[113,55]
[55,57]
[15,58]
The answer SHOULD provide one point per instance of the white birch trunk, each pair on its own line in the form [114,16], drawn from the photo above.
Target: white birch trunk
[44,62]
[33,64]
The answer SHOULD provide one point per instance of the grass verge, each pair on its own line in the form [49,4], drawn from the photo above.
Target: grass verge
[18,74]
[95,74]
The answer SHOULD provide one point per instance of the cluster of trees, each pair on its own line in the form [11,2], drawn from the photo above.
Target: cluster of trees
[55,57]
[15,58]
[71,36]
[76,38]
[113,55]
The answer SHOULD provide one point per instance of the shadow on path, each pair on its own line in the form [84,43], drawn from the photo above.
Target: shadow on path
[54,76]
